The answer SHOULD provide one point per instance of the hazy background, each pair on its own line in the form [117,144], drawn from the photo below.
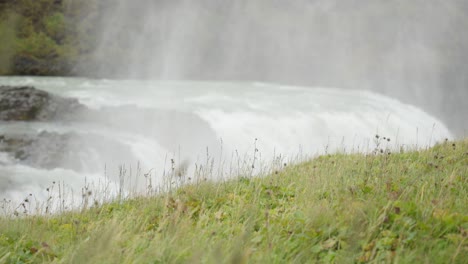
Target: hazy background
[416,51]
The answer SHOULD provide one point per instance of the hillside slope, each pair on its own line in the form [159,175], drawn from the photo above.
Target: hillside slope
[393,208]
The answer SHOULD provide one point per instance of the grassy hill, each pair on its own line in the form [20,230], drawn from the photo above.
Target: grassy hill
[409,207]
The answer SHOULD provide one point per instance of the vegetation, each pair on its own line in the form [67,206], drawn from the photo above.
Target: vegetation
[46,37]
[408,207]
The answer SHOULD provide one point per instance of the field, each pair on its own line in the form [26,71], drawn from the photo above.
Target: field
[405,207]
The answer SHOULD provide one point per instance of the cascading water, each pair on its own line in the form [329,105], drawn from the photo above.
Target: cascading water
[397,48]
[155,122]
[414,51]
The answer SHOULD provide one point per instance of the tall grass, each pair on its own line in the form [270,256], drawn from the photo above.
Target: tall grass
[408,207]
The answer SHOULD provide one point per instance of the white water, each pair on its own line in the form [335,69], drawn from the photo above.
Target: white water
[415,51]
[285,120]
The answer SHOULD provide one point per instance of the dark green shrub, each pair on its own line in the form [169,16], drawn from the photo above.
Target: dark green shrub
[54,26]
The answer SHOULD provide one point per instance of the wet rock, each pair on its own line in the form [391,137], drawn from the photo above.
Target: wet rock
[50,150]
[14,145]
[30,104]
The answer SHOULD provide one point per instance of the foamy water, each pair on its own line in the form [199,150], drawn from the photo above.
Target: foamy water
[185,120]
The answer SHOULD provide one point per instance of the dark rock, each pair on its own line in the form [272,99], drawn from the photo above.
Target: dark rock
[50,150]
[14,145]
[29,104]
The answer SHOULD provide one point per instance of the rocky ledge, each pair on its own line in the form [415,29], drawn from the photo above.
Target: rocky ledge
[93,143]
[27,103]
[50,150]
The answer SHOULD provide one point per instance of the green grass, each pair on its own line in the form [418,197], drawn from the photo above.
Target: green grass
[345,208]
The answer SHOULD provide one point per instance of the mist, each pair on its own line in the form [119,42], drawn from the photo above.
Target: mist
[414,51]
